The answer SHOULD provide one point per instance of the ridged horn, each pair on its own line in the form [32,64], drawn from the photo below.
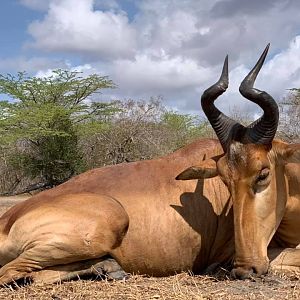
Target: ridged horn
[222,125]
[263,130]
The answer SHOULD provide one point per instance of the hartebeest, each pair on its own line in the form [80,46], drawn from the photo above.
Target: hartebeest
[244,205]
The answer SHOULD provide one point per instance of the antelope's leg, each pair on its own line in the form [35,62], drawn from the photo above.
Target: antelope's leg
[111,269]
[74,228]
[16,269]
[22,267]
[284,259]
[107,267]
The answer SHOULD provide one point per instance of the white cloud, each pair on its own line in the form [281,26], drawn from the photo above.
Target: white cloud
[81,29]
[177,79]
[175,48]
[44,73]
[279,73]
[204,30]
[181,81]
[85,69]
[283,70]
[147,73]
[200,30]
[170,32]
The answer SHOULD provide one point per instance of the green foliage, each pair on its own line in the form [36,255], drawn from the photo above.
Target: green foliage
[50,132]
[45,120]
[185,127]
[178,121]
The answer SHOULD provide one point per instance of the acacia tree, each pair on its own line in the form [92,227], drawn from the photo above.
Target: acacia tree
[43,119]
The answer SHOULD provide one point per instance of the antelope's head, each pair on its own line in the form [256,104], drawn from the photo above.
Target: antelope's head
[252,167]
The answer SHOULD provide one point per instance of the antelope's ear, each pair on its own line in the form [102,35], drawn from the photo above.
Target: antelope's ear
[206,169]
[291,153]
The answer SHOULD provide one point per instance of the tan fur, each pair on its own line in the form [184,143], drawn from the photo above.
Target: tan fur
[67,229]
[173,225]
[263,210]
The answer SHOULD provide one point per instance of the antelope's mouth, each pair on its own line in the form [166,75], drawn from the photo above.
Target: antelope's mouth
[247,270]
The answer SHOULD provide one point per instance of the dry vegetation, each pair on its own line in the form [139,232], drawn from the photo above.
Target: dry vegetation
[181,286]
[136,131]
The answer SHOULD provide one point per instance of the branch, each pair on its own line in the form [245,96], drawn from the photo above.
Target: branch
[32,94]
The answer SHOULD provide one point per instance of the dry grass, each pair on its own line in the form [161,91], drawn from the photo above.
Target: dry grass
[181,286]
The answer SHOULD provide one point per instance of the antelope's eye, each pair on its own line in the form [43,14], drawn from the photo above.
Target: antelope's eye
[262,178]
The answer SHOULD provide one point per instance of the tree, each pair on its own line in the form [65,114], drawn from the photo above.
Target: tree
[141,130]
[45,117]
[183,128]
[130,136]
[289,129]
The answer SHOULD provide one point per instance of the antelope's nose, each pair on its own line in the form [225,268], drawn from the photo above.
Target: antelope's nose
[245,272]
[241,273]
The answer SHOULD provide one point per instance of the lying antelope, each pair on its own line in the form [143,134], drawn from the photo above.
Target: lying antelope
[241,203]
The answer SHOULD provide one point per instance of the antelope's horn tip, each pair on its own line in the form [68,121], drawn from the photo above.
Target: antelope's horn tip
[226,61]
[266,49]
[224,75]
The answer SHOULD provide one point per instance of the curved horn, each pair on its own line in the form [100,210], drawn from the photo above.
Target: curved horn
[222,125]
[263,130]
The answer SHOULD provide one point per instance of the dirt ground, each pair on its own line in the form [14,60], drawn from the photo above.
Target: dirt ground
[181,286]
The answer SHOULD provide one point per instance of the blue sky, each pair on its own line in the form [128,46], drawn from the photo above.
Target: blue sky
[14,19]
[168,48]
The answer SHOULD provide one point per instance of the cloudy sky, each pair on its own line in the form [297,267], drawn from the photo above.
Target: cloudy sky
[169,48]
